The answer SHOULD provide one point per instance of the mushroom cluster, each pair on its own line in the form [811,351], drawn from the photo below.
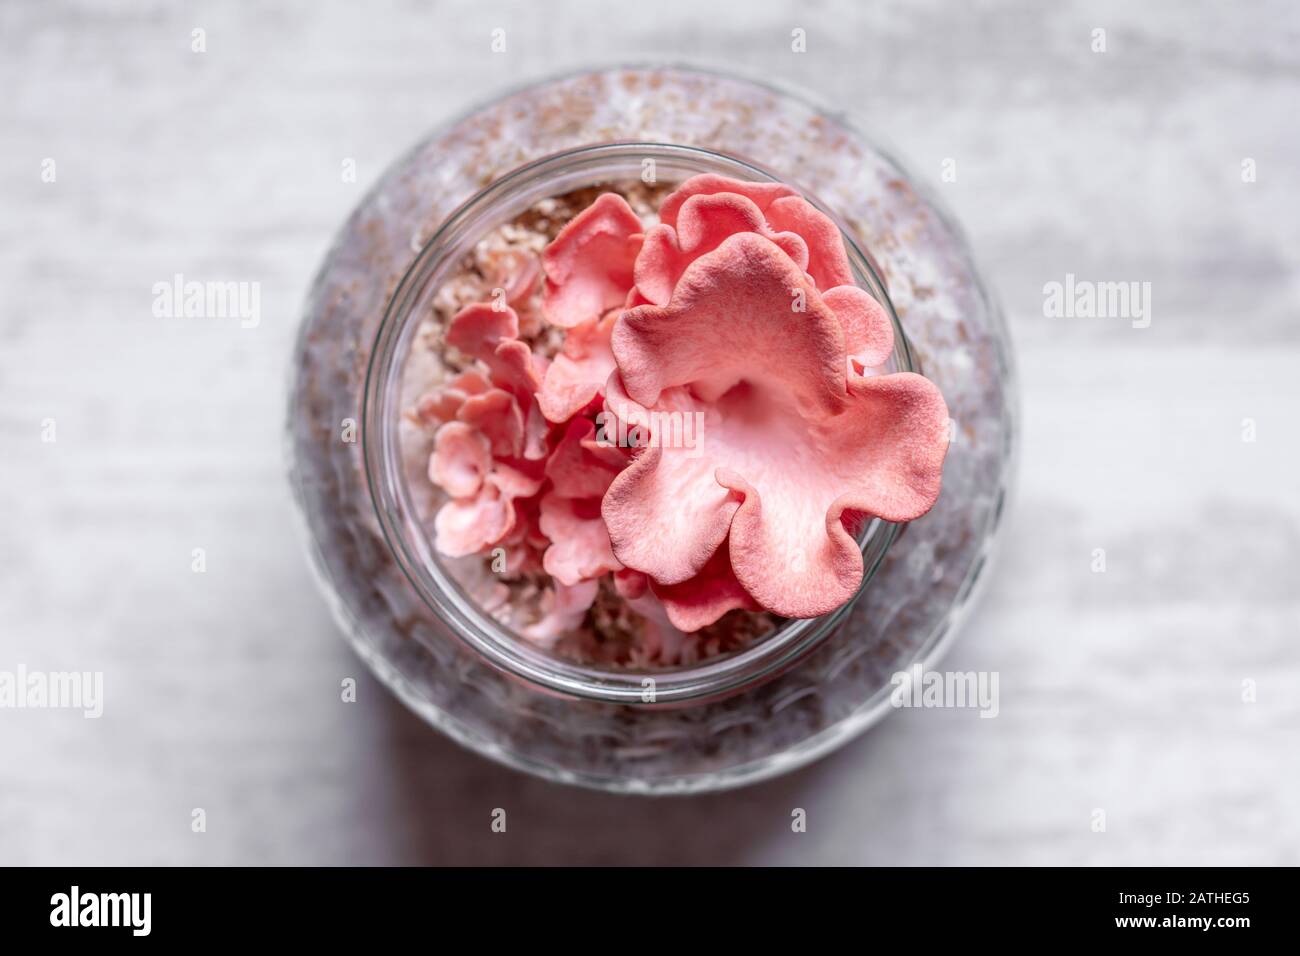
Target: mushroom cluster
[714,429]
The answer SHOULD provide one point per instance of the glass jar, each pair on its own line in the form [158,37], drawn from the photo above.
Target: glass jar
[405,523]
[730,719]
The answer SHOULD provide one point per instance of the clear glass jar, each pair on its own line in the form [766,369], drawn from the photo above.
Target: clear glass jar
[732,719]
[406,524]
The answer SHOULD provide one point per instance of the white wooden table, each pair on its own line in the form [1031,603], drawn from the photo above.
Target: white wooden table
[1120,691]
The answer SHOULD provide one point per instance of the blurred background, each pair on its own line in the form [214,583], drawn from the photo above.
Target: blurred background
[1164,691]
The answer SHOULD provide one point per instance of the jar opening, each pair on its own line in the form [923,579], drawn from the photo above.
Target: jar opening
[393,488]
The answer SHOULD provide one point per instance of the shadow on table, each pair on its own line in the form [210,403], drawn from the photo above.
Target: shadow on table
[440,798]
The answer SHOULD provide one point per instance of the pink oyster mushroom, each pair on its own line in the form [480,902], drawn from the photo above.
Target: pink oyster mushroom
[490,445]
[588,267]
[733,323]
[752,331]
[495,453]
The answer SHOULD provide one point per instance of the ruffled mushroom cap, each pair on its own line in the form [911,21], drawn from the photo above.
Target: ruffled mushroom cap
[494,453]
[489,452]
[707,209]
[795,446]
[578,373]
[580,472]
[469,525]
[589,264]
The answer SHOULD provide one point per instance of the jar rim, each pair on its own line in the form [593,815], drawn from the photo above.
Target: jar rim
[406,535]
